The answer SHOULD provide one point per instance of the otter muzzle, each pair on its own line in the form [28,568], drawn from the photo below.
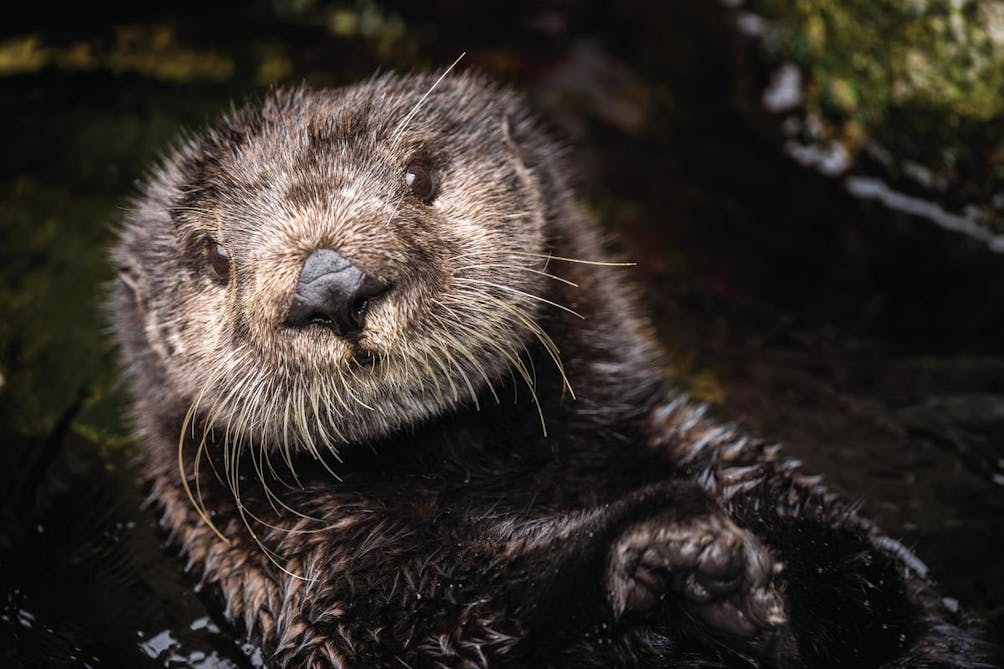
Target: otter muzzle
[332,293]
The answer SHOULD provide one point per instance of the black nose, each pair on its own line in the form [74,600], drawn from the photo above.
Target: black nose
[334,293]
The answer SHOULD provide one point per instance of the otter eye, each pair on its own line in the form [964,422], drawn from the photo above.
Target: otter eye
[219,259]
[418,179]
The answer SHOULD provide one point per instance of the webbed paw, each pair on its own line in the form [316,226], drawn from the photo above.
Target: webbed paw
[721,575]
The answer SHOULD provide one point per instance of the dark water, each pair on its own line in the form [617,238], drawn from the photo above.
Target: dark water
[866,337]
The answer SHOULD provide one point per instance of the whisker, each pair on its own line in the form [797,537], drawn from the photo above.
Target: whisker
[466,353]
[294,530]
[184,476]
[545,256]
[404,122]
[599,263]
[520,292]
[545,339]
[520,268]
[272,556]
[514,360]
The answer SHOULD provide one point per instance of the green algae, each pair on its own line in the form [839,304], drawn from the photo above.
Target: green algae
[912,89]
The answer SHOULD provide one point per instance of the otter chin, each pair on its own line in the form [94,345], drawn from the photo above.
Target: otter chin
[397,408]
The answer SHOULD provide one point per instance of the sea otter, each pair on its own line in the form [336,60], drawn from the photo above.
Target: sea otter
[399,411]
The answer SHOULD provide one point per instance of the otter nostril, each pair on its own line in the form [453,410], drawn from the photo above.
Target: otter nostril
[320,319]
[363,358]
[333,293]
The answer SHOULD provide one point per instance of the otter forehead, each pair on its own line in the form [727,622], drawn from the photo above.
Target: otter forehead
[302,145]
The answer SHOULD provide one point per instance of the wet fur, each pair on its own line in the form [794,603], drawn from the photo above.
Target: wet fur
[414,512]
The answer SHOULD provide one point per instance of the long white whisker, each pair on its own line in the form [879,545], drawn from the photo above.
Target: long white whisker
[519,268]
[520,292]
[404,122]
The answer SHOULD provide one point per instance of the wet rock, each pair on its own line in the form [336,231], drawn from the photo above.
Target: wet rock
[903,96]
[969,425]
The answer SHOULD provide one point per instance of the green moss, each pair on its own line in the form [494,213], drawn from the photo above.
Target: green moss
[923,79]
[71,170]
[150,50]
[881,53]
[52,341]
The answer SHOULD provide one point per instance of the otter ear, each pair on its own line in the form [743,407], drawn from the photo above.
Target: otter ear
[524,139]
[516,134]
[127,276]
[141,316]
[538,158]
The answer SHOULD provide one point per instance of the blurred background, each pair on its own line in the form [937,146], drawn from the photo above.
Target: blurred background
[813,191]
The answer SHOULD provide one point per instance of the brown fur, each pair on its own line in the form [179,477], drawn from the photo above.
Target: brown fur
[482,493]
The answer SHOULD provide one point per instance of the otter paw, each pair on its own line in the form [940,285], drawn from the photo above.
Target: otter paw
[721,575]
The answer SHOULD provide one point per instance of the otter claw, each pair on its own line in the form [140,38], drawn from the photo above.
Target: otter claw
[723,576]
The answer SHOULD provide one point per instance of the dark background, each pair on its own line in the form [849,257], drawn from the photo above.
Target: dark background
[856,329]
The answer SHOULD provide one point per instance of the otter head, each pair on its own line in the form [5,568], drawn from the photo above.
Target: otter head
[328,267]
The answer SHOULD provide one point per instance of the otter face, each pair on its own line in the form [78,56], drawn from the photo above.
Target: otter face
[328,267]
